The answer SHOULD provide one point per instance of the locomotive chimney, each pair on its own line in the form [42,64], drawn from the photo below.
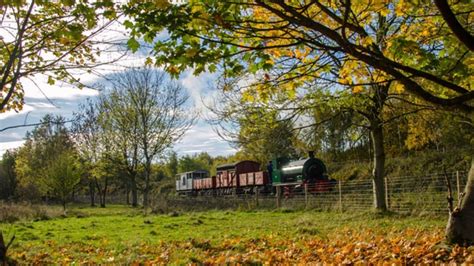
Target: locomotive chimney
[311,154]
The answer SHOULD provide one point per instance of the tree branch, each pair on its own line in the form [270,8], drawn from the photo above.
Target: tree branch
[462,34]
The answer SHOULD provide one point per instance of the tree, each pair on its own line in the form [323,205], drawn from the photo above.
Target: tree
[172,164]
[50,38]
[369,104]
[287,44]
[262,136]
[27,188]
[301,40]
[3,250]
[47,163]
[156,115]
[86,130]
[103,173]
[121,124]
[259,122]
[93,139]
[61,175]
[198,161]
[258,129]
[8,179]
[337,133]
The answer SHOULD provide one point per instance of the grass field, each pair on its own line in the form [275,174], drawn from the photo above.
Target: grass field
[119,234]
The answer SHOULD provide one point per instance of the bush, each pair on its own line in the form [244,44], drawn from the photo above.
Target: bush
[12,212]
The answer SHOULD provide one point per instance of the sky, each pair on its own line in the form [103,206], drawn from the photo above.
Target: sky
[63,99]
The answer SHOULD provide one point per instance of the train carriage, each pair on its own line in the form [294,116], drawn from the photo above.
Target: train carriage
[229,175]
[190,181]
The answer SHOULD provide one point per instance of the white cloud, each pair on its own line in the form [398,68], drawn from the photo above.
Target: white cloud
[63,99]
[4,146]
[200,88]
[201,138]
[26,108]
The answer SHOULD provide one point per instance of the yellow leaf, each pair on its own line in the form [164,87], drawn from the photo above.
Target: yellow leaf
[357,89]
[247,97]
[298,54]
[367,41]
[425,32]
[275,52]
[384,11]
[399,9]
[398,87]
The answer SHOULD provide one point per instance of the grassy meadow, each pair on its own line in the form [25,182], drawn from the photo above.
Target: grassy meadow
[119,234]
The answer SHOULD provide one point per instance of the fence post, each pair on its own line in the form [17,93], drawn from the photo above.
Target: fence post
[340,194]
[278,196]
[387,194]
[256,196]
[306,195]
[458,185]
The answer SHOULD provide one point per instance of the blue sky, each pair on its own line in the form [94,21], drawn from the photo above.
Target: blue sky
[64,100]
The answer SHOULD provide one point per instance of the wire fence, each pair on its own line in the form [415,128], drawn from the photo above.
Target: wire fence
[425,194]
[408,194]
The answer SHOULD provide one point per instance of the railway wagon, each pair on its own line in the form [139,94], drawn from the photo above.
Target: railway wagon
[227,175]
[205,183]
[251,179]
[186,182]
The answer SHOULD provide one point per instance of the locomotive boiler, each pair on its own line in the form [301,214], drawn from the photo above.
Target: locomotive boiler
[310,170]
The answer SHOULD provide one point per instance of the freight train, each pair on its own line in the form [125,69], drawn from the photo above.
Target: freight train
[247,176]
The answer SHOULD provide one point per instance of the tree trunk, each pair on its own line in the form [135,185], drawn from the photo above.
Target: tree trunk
[92,192]
[13,185]
[460,228]
[3,251]
[145,199]
[376,133]
[146,190]
[133,185]
[103,193]
[102,200]
[127,192]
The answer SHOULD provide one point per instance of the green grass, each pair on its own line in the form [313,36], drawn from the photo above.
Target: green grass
[121,234]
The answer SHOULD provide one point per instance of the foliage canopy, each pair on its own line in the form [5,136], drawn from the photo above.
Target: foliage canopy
[288,45]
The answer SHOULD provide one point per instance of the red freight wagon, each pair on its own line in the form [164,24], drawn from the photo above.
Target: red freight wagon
[261,178]
[232,171]
[221,180]
[251,179]
[209,183]
[225,179]
[197,184]
[243,180]
[234,180]
[206,184]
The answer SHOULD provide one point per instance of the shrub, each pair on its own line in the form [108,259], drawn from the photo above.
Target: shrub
[12,212]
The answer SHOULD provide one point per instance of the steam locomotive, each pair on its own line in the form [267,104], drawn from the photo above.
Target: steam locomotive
[246,176]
